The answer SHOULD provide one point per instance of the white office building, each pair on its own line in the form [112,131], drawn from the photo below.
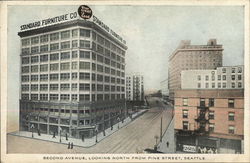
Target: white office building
[134,87]
[227,77]
[72,77]
[164,88]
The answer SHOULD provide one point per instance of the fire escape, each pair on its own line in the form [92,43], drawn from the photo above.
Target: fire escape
[202,120]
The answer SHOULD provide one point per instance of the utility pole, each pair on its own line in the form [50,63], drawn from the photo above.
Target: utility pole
[161,131]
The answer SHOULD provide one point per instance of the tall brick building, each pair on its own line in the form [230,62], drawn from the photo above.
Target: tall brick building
[192,57]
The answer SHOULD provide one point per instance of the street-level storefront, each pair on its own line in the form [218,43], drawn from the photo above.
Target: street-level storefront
[205,144]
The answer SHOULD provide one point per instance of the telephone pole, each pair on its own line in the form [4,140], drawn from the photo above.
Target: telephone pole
[161,131]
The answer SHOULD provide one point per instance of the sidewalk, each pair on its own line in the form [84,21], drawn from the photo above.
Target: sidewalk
[88,142]
[168,138]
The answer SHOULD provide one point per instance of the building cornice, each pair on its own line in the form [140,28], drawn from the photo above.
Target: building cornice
[81,23]
[198,48]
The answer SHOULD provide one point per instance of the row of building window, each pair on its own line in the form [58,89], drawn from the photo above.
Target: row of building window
[74,33]
[224,77]
[211,102]
[55,36]
[74,87]
[211,127]
[74,76]
[53,67]
[107,44]
[56,120]
[42,109]
[231,115]
[106,52]
[82,54]
[233,70]
[55,46]
[220,85]
[74,97]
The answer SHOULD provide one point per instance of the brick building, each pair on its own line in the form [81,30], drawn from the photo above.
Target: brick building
[192,57]
[209,120]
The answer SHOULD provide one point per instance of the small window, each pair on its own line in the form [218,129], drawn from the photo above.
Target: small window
[233,77]
[198,77]
[213,78]
[211,102]
[185,101]
[202,102]
[185,125]
[231,103]
[207,77]
[233,70]
[224,70]
[211,115]
[231,116]
[211,127]
[239,85]
[224,77]
[199,85]
[219,77]
[239,70]
[233,85]
[231,129]
[185,114]
[239,77]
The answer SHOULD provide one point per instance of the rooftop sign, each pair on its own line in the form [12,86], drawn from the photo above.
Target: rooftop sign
[84,12]
[49,21]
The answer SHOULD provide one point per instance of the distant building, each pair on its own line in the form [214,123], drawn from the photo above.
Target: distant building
[134,87]
[209,121]
[72,79]
[229,77]
[192,57]
[164,88]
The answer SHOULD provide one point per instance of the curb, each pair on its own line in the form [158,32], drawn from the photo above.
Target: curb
[137,116]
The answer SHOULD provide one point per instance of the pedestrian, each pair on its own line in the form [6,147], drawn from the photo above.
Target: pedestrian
[39,134]
[66,136]
[83,138]
[72,145]
[69,145]
[167,143]
[54,135]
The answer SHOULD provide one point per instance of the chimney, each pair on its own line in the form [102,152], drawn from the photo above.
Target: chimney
[212,42]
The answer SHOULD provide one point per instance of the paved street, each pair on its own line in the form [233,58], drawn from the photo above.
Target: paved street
[133,138]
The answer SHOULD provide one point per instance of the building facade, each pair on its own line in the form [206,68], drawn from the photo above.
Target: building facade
[209,121]
[164,89]
[229,77]
[192,57]
[72,79]
[134,87]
